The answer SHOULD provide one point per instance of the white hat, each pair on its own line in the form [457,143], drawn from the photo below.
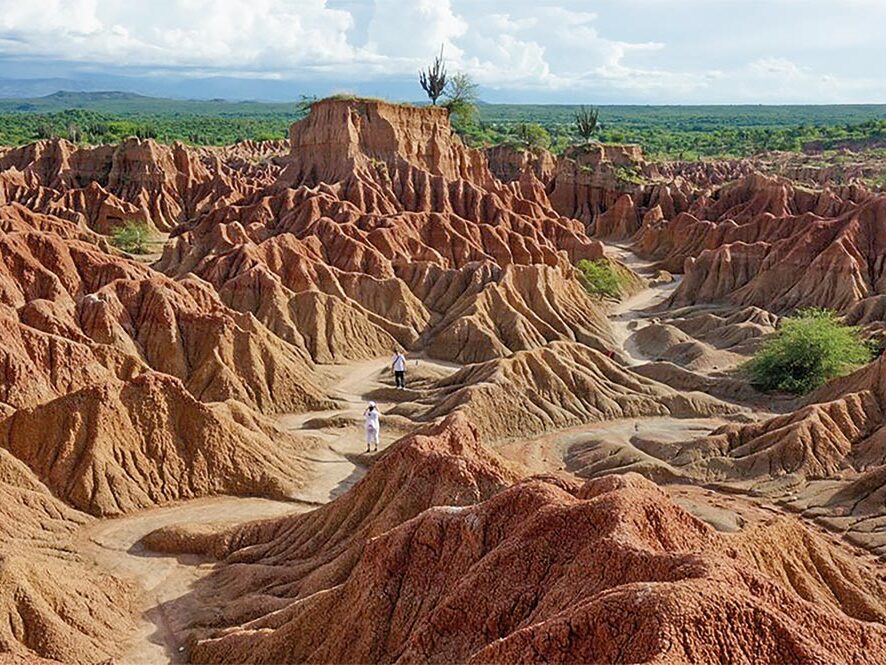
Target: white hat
[372,404]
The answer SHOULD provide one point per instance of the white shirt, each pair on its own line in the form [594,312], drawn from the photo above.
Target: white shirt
[399,363]
[371,419]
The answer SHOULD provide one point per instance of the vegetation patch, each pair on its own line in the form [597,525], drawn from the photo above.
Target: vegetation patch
[630,173]
[809,348]
[132,238]
[664,132]
[528,136]
[602,278]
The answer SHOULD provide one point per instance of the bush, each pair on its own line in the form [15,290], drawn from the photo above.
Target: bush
[601,278]
[530,136]
[461,101]
[630,174]
[132,238]
[809,349]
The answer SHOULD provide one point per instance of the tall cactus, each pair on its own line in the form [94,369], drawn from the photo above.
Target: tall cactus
[434,79]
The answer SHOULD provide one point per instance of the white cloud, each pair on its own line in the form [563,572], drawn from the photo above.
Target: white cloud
[649,50]
[204,33]
[780,80]
[559,49]
[414,29]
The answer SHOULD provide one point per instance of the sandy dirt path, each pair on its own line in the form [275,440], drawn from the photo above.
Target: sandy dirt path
[114,546]
[625,314]
[336,464]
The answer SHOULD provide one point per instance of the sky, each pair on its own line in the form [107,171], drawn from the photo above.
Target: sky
[597,51]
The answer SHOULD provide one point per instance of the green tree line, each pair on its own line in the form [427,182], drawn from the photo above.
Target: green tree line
[663,132]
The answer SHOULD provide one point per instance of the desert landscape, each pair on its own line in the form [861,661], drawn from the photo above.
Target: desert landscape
[565,477]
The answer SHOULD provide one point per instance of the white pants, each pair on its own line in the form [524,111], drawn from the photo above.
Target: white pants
[371,436]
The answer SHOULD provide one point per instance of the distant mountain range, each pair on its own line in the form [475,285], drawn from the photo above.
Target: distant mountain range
[116,102]
[25,88]
[205,89]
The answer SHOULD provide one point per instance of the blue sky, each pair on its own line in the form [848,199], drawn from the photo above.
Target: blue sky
[603,51]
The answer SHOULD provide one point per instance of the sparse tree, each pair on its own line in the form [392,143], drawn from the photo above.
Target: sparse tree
[433,80]
[586,122]
[74,134]
[461,99]
[303,107]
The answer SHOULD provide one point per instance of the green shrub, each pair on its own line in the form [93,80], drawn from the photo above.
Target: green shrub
[601,278]
[132,238]
[808,349]
[529,136]
[460,99]
[630,174]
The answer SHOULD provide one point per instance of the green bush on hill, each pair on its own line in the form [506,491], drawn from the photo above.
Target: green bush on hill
[630,173]
[809,348]
[132,238]
[601,278]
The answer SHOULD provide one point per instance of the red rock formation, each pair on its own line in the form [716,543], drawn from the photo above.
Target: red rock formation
[813,442]
[343,137]
[436,560]
[490,313]
[14,659]
[105,186]
[699,176]
[619,221]
[181,329]
[871,377]
[376,228]
[826,459]
[765,242]
[400,222]
[666,342]
[119,446]
[557,386]
[443,465]
[116,313]
[586,181]
[612,187]
[341,230]
[51,601]
[509,164]
[82,399]
[393,200]
[612,564]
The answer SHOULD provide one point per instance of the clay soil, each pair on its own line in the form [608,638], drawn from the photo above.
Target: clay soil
[166,605]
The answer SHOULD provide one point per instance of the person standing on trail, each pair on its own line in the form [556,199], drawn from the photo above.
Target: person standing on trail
[371,421]
[399,367]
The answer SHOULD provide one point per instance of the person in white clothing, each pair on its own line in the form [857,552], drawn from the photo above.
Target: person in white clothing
[371,420]
[399,367]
